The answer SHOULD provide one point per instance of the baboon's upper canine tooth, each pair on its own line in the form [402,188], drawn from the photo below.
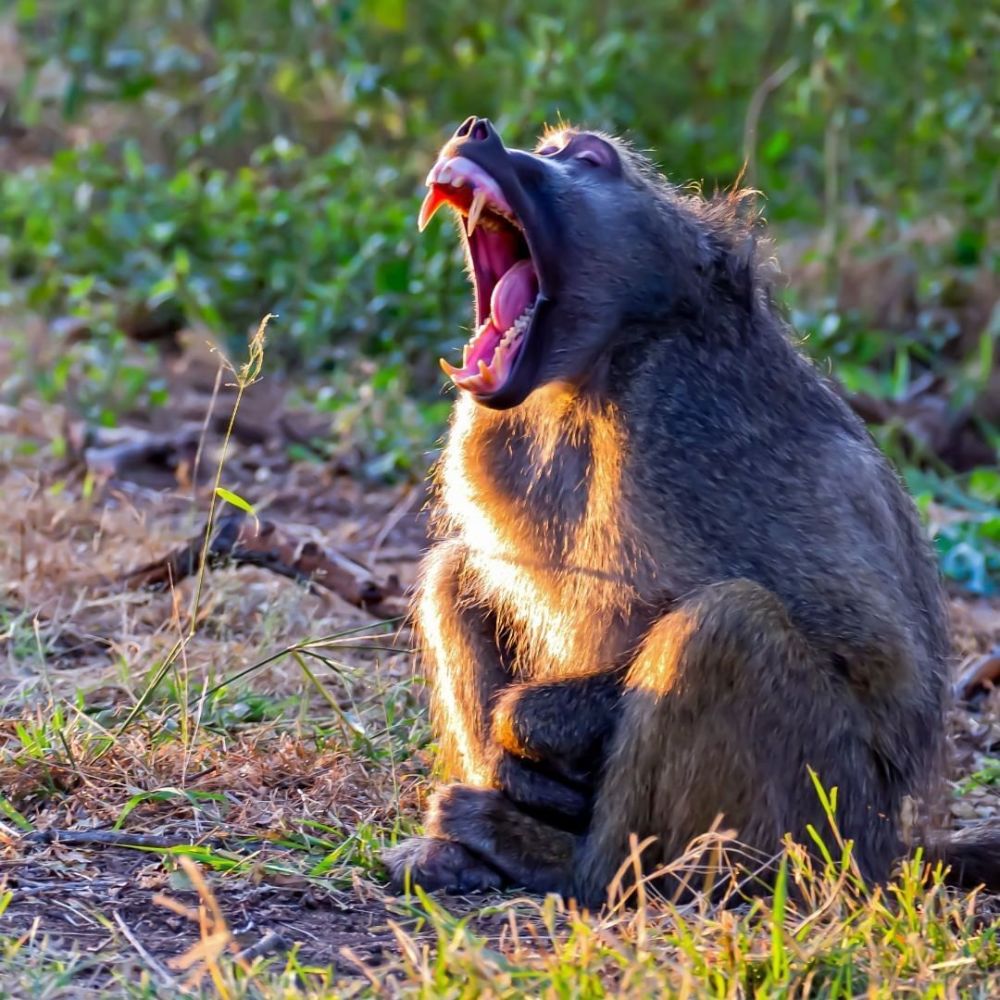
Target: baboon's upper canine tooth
[475,210]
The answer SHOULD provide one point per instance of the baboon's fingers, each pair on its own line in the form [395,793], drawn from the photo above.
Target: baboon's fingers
[564,803]
[439,864]
[530,853]
[564,723]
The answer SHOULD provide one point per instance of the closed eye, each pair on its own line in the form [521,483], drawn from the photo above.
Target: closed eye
[587,147]
[595,152]
[591,157]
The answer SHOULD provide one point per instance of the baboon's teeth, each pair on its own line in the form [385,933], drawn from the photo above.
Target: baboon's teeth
[486,374]
[489,375]
[475,210]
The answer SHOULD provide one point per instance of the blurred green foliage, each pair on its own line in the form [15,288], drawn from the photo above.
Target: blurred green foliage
[966,526]
[887,100]
[327,243]
[276,149]
[230,159]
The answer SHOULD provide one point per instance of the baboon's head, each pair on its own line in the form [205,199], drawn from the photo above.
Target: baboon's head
[572,249]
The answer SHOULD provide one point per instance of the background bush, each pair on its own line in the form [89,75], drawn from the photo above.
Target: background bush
[215,160]
[275,151]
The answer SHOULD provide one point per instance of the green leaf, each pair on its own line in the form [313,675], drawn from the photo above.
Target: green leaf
[777,146]
[984,483]
[236,500]
[389,14]
[14,816]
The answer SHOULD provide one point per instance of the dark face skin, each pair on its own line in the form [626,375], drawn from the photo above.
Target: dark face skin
[573,185]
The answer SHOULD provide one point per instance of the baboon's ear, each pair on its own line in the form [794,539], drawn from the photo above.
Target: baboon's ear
[733,263]
[741,273]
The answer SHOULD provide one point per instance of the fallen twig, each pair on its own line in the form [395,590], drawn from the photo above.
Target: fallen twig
[978,673]
[160,970]
[107,451]
[399,511]
[241,541]
[114,838]
[271,941]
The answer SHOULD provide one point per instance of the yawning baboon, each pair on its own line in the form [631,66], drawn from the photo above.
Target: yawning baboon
[673,571]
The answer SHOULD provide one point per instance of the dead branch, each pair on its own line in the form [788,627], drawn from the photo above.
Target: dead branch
[270,942]
[107,451]
[979,672]
[112,838]
[160,970]
[241,541]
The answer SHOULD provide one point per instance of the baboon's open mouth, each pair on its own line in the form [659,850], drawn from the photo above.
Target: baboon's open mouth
[503,272]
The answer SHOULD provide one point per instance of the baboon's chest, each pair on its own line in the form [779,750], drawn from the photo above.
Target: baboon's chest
[550,536]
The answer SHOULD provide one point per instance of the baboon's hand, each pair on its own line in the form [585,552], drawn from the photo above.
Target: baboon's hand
[561,725]
[564,799]
[433,864]
[528,852]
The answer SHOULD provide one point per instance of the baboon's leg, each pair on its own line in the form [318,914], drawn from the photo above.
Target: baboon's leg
[549,738]
[464,665]
[436,863]
[726,709]
[552,737]
[511,743]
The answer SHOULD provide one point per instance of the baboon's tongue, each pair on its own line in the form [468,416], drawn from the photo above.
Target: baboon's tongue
[513,293]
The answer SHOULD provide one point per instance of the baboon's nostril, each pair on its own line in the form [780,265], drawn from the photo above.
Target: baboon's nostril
[480,130]
[463,129]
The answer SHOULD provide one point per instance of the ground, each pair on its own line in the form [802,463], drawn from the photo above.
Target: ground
[281,741]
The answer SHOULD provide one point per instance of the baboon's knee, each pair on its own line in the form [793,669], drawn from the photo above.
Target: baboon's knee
[564,723]
[443,575]
[727,636]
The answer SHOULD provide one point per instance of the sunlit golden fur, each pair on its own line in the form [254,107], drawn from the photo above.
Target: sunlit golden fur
[541,569]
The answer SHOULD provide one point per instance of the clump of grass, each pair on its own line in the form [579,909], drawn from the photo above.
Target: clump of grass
[303,788]
[821,933]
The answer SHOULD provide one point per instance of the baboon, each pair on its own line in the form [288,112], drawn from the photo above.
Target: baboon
[672,573]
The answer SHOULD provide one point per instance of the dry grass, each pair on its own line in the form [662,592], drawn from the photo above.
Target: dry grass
[284,743]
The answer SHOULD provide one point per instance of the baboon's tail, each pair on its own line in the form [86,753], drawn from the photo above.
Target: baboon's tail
[972,857]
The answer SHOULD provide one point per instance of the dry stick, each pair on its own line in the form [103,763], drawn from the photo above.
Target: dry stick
[202,437]
[398,512]
[767,87]
[110,452]
[115,838]
[245,377]
[271,941]
[352,956]
[241,541]
[165,977]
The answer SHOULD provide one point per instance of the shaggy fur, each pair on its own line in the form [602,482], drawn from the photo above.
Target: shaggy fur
[673,579]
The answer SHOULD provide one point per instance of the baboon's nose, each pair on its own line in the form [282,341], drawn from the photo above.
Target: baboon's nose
[475,129]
